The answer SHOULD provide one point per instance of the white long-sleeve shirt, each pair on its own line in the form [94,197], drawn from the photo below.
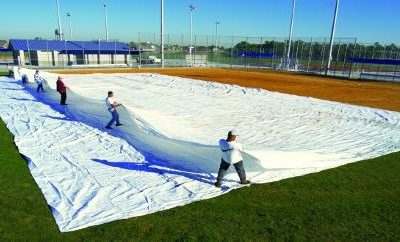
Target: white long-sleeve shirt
[231,151]
[109,101]
[38,78]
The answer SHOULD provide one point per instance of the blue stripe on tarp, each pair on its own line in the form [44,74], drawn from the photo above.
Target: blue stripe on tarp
[375,61]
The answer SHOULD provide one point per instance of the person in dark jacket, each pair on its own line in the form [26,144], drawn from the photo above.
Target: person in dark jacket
[62,89]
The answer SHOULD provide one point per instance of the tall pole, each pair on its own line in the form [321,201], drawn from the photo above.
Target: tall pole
[59,20]
[290,33]
[191,9]
[70,25]
[216,36]
[328,66]
[162,34]
[105,19]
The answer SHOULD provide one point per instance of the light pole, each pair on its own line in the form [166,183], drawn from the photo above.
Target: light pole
[162,34]
[290,33]
[105,19]
[59,20]
[70,25]
[191,9]
[328,66]
[216,36]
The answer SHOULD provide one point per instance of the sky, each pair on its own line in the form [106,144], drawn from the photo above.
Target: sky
[367,20]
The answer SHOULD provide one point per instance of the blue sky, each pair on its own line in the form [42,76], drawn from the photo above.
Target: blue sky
[368,20]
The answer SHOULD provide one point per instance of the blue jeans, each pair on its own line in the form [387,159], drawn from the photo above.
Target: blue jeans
[115,117]
[40,87]
[238,167]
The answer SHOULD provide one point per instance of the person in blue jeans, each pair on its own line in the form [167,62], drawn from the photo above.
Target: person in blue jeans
[112,106]
[231,153]
[39,81]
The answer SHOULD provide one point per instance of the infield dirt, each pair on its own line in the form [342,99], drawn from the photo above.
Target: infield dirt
[383,95]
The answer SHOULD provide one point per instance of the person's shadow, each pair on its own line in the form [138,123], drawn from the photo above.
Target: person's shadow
[209,179]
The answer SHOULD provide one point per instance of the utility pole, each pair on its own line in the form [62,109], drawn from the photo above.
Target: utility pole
[59,21]
[162,34]
[328,66]
[70,25]
[216,36]
[105,19]
[290,34]
[191,9]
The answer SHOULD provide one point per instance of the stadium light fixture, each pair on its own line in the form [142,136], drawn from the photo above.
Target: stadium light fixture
[70,25]
[328,66]
[290,33]
[105,19]
[59,20]
[162,34]
[191,9]
[216,36]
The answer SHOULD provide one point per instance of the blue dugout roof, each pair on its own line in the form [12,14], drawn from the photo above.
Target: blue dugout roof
[392,62]
[72,47]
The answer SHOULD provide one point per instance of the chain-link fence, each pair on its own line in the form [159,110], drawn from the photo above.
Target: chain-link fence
[349,58]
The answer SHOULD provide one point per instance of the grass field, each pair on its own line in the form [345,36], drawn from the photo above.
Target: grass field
[359,201]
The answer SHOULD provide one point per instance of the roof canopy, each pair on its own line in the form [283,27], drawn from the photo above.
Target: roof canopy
[66,46]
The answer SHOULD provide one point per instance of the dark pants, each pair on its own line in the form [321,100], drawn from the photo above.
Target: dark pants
[115,117]
[224,166]
[63,98]
[40,87]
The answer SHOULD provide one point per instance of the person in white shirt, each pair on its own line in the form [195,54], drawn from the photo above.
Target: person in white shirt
[38,80]
[231,153]
[112,106]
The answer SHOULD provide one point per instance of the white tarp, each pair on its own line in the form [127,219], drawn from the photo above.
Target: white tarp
[166,155]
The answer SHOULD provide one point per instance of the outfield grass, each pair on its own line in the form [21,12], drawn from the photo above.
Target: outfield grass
[359,201]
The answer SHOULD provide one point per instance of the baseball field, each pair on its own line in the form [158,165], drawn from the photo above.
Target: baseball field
[357,201]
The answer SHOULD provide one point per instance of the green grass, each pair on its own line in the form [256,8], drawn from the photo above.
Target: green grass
[359,201]
[3,73]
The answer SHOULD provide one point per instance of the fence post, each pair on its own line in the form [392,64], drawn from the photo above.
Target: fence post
[301,50]
[354,53]
[337,57]
[140,52]
[273,53]
[395,66]
[29,53]
[85,61]
[128,59]
[232,52]
[115,51]
[345,57]
[47,50]
[182,50]
[323,56]
[309,54]
[195,50]
[207,50]
[259,53]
